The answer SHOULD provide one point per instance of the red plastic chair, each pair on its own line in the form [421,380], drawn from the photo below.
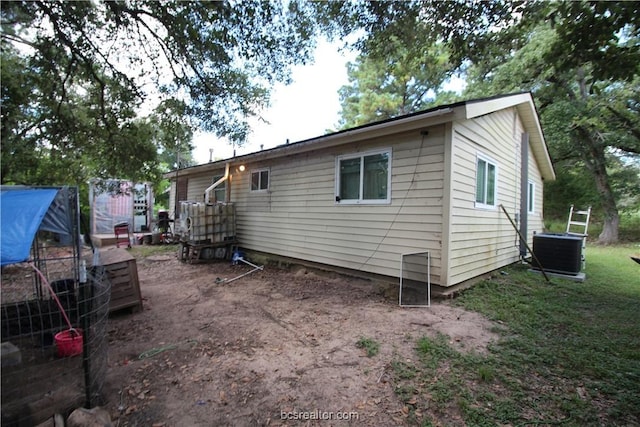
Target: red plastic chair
[122,234]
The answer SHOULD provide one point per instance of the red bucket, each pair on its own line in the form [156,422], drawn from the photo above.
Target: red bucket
[69,342]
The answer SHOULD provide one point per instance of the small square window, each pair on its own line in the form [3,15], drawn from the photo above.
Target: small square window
[260,180]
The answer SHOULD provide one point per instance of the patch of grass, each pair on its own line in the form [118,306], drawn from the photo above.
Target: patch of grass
[434,351]
[404,370]
[569,352]
[405,392]
[486,373]
[142,251]
[370,346]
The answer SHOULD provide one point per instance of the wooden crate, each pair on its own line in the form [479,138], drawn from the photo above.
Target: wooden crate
[122,271]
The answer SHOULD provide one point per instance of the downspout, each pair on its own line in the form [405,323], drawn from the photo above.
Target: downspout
[215,184]
[175,200]
[524,192]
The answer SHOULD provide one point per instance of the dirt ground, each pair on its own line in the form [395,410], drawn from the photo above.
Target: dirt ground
[276,347]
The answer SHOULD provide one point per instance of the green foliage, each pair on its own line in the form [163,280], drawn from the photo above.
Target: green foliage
[572,187]
[603,34]
[407,79]
[371,346]
[580,59]
[75,76]
[589,106]
[409,50]
[629,226]
[468,28]
[173,131]
[209,52]
[75,121]
[604,173]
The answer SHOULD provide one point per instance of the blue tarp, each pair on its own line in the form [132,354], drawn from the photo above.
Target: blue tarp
[21,213]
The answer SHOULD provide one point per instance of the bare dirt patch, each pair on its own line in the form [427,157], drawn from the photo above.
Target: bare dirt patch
[275,344]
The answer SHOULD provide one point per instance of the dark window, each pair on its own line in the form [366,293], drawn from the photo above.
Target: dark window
[260,180]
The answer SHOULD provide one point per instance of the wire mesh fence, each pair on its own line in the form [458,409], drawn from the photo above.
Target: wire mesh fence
[54,337]
[415,280]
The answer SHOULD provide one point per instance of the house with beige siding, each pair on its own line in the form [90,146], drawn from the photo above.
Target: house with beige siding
[359,199]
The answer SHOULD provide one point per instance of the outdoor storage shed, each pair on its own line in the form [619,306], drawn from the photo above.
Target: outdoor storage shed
[115,201]
[359,199]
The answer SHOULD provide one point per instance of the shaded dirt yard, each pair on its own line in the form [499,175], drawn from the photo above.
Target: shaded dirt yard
[268,348]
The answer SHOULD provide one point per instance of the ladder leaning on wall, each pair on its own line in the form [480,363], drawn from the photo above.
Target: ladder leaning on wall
[578,225]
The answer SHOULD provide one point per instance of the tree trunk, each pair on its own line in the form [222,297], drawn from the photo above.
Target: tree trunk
[593,152]
[594,157]
[609,233]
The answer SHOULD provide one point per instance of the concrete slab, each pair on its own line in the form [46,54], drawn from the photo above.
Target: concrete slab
[580,277]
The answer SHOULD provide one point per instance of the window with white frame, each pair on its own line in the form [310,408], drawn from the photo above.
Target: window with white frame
[531,197]
[220,192]
[486,182]
[260,180]
[364,178]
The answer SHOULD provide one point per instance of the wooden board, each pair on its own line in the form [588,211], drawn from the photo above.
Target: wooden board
[122,271]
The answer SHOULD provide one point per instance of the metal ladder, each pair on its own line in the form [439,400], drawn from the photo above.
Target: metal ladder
[579,219]
[574,222]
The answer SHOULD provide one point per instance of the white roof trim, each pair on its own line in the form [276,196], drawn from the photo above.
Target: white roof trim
[523,102]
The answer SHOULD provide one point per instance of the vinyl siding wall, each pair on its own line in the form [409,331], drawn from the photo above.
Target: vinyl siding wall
[298,217]
[482,239]
[196,185]
[199,183]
